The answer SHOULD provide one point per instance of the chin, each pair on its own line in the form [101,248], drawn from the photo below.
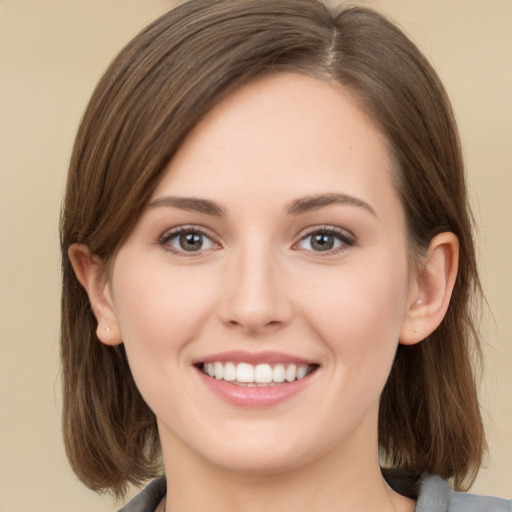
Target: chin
[261,462]
[268,451]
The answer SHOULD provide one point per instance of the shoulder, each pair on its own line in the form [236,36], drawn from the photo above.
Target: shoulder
[149,498]
[435,495]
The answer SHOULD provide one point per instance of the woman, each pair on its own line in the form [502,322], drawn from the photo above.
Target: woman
[268,269]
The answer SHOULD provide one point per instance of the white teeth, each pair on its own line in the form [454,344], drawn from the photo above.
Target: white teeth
[229,372]
[255,375]
[245,372]
[278,373]
[301,372]
[263,374]
[291,373]
[218,368]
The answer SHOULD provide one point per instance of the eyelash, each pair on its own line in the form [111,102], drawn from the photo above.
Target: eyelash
[344,239]
[168,236]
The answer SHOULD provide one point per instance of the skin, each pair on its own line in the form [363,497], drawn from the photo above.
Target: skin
[258,284]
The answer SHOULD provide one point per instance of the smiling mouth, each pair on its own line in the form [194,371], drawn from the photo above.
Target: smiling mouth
[259,375]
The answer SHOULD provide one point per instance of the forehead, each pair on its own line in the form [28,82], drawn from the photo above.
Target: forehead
[287,133]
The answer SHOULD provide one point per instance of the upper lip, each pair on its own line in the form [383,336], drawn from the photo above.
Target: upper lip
[240,356]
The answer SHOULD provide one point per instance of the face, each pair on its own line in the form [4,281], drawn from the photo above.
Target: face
[262,293]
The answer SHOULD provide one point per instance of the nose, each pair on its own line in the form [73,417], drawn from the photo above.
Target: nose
[255,296]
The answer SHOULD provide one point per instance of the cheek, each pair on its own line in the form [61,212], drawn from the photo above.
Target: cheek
[358,312]
[160,310]
[159,307]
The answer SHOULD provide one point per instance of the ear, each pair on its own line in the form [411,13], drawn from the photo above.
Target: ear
[90,272]
[431,289]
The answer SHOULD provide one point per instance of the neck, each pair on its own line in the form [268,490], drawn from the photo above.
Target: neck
[347,479]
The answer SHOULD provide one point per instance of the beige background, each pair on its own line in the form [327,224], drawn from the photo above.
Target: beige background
[51,55]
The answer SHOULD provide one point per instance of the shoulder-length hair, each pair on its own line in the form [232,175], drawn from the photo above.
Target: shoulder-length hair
[156,90]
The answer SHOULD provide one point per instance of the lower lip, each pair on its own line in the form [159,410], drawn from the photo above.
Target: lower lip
[255,397]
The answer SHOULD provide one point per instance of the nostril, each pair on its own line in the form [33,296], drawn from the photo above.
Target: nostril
[254,306]
[255,327]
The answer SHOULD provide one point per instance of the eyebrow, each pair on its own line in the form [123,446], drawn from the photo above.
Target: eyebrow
[296,207]
[309,203]
[192,204]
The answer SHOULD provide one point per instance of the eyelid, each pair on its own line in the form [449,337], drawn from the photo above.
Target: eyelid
[171,233]
[347,238]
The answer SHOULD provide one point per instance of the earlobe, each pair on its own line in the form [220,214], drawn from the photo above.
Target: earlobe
[432,289]
[90,272]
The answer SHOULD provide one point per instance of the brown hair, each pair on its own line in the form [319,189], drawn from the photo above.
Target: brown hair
[152,95]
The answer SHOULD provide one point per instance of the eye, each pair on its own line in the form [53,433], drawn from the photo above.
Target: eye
[187,240]
[325,240]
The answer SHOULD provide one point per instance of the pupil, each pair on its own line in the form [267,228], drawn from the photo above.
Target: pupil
[191,241]
[322,242]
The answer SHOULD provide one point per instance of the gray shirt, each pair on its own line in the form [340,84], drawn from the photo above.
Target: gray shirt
[434,495]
